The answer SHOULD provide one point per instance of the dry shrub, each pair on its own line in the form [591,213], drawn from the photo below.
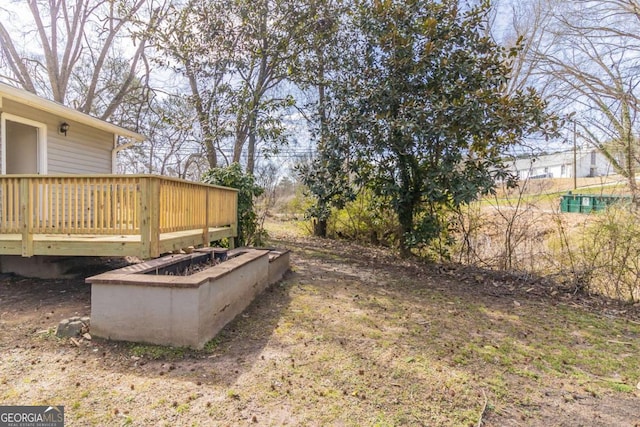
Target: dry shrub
[608,252]
[502,236]
[597,253]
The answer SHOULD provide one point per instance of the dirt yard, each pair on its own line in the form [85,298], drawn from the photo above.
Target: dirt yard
[352,337]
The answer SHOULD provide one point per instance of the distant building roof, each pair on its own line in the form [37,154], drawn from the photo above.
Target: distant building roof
[548,160]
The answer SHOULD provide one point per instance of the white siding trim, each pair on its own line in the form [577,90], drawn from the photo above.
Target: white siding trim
[42,141]
[114,155]
[116,149]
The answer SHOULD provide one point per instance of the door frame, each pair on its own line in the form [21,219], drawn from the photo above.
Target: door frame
[41,129]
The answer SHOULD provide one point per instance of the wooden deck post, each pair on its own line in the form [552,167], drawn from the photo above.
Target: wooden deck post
[232,239]
[149,203]
[234,226]
[154,217]
[26,215]
[144,222]
[205,229]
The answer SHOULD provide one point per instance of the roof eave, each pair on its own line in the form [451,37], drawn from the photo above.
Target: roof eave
[35,101]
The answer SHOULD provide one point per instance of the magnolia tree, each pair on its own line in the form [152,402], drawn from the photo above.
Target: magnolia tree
[422,110]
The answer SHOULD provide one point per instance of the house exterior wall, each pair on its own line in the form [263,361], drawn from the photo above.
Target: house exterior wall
[593,165]
[527,169]
[560,165]
[84,150]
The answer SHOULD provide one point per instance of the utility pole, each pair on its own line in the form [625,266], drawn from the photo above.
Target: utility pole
[575,158]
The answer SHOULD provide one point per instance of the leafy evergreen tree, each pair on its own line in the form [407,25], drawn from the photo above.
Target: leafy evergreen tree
[422,110]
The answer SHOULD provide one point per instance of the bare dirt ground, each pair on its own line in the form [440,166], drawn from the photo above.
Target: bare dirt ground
[352,336]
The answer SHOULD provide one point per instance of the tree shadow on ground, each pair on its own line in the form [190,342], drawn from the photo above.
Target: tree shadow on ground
[502,333]
[350,333]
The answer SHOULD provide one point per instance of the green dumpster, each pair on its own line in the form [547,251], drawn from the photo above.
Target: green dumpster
[586,203]
[570,203]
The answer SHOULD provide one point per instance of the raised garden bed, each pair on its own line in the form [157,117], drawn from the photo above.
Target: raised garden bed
[185,265]
[150,302]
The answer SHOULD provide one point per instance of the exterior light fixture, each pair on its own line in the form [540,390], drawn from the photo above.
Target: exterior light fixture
[64,128]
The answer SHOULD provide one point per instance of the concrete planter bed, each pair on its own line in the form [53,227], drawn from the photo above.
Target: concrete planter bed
[150,303]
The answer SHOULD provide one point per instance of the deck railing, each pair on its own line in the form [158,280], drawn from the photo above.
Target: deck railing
[112,205]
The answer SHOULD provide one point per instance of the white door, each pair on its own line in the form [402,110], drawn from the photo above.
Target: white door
[23,146]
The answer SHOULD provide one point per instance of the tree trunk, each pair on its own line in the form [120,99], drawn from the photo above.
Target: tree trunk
[320,228]
[210,149]
[251,143]
[409,197]
[405,218]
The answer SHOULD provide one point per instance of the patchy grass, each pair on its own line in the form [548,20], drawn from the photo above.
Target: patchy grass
[353,336]
[157,352]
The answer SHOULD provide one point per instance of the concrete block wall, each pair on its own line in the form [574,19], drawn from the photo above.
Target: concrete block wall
[129,305]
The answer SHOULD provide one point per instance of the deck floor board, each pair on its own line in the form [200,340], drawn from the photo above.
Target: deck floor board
[107,245]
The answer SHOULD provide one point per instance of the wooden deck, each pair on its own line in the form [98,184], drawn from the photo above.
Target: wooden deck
[111,215]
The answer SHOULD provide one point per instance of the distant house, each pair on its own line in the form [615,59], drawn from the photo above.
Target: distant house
[589,163]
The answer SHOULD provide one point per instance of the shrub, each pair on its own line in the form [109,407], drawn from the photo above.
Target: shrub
[608,253]
[233,176]
[367,218]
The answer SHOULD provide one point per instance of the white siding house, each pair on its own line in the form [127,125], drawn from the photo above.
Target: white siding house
[38,136]
[60,194]
[589,163]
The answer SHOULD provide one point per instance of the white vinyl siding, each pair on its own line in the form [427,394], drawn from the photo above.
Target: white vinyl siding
[84,150]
